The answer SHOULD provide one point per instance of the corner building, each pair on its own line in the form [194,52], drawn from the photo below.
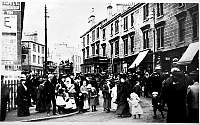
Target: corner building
[147,35]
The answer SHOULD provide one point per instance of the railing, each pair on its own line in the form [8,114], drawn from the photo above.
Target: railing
[12,85]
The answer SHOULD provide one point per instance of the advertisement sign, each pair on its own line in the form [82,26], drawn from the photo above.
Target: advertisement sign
[9,24]
[9,47]
[11,6]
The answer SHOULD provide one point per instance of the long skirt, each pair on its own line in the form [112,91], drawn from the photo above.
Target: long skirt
[23,110]
[86,104]
[113,104]
[123,109]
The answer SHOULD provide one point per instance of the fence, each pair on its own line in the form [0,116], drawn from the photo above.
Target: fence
[12,85]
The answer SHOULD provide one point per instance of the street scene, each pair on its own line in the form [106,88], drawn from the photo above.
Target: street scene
[108,61]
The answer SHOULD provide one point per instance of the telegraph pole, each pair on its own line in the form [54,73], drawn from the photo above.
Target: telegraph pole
[45,60]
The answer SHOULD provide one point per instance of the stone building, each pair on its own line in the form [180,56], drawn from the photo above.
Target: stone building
[149,35]
[32,54]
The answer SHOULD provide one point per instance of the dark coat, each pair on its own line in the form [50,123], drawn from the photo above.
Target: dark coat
[122,103]
[174,94]
[22,101]
[4,100]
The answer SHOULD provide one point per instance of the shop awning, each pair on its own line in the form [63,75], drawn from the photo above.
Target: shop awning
[139,59]
[189,54]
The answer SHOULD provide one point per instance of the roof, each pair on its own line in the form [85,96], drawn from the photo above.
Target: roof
[93,27]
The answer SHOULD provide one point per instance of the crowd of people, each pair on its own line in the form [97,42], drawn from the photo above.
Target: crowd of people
[175,91]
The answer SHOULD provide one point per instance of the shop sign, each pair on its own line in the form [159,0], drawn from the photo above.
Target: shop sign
[11,6]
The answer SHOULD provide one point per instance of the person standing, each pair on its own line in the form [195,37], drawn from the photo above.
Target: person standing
[193,98]
[4,99]
[22,98]
[174,92]
[84,91]
[122,95]
[50,95]
[93,99]
[106,96]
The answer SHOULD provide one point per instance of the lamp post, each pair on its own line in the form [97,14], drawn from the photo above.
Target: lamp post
[154,38]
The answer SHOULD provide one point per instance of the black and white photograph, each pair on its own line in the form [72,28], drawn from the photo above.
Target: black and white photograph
[99,61]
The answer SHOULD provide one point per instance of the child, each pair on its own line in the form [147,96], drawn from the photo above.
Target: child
[93,99]
[60,100]
[134,105]
[156,104]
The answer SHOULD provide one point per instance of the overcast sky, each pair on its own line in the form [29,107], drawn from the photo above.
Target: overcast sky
[67,18]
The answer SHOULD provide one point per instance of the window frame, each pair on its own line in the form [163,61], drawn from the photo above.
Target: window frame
[146,39]
[160,37]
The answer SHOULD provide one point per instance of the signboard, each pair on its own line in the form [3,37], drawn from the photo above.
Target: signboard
[9,47]
[9,24]
[11,6]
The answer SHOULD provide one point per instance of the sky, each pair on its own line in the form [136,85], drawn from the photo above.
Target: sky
[68,19]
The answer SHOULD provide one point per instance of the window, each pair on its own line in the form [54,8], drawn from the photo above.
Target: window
[159,9]
[104,50]
[111,53]
[126,23]
[132,20]
[83,41]
[88,39]
[146,11]
[104,34]
[181,23]
[160,37]
[34,47]
[42,60]
[88,52]
[98,33]
[23,58]
[146,39]
[97,50]
[93,50]
[34,58]
[126,46]
[132,43]
[195,25]
[83,54]
[42,50]
[117,47]
[93,35]
[116,26]
[38,48]
[111,29]
[38,59]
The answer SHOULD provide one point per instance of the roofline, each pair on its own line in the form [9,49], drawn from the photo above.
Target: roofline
[131,9]
[32,42]
[111,20]
[92,28]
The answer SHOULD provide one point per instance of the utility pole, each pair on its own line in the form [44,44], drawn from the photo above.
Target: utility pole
[154,39]
[45,60]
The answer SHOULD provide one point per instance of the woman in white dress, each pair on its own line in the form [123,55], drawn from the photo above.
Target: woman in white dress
[84,91]
[114,97]
[134,105]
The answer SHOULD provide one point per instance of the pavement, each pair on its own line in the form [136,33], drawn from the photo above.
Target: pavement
[36,116]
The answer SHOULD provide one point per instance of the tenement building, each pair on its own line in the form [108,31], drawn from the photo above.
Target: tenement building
[32,54]
[145,36]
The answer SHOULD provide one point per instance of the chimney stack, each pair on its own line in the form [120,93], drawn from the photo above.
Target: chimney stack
[91,19]
[109,10]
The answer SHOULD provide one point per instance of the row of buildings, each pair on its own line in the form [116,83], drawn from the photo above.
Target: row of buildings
[142,36]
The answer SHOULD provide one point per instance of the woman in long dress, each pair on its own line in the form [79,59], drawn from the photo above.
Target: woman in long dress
[114,97]
[22,98]
[84,91]
[122,95]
